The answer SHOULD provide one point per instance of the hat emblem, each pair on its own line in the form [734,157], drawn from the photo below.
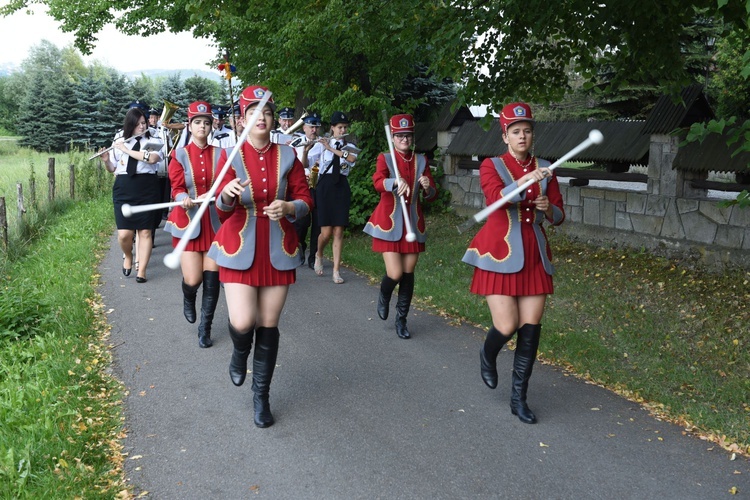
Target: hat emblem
[403,123]
[259,93]
[519,111]
[202,108]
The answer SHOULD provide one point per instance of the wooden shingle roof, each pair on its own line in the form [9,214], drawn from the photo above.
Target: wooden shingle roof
[552,140]
[712,154]
[668,115]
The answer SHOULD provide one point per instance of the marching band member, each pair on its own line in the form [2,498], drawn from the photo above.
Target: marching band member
[310,128]
[191,173]
[136,183]
[332,193]
[510,253]
[256,247]
[222,137]
[386,225]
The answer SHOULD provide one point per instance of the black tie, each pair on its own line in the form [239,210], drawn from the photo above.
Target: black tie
[132,162]
[336,164]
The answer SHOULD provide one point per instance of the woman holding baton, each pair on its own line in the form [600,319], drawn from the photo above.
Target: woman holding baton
[388,224]
[191,175]
[256,247]
[510,253]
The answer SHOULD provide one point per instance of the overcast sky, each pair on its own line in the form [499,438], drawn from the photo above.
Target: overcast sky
[20,32]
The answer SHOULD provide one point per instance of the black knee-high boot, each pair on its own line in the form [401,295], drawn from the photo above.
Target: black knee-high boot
[243,342]
[264,362]
[188,301]
[211,291]
[384,299]
[405,293]
[493,343]
[523,363]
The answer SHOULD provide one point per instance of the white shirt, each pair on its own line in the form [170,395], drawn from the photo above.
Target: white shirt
[120,159]
[324,158]
[223,138]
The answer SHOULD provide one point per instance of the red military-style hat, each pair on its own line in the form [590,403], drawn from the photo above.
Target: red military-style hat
[402,124]
[253,95]
[515,112]
[199,108]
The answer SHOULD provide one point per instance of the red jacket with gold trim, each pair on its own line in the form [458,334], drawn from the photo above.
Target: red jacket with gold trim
[498,246]
[234,245]
[387,221]
[191,174]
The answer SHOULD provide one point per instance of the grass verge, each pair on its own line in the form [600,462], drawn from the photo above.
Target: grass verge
[60,409]
[660,332]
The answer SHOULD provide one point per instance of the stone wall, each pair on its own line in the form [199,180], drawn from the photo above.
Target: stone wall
[670,217]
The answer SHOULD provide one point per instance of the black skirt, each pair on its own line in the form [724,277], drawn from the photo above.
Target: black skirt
[332,201]
[141,189]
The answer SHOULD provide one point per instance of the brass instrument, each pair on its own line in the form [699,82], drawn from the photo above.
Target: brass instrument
[313,181]
[167,113]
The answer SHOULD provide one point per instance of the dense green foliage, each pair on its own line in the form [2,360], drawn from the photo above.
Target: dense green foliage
[59,407]
[56,103]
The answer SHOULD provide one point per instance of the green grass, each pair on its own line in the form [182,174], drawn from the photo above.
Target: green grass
[60,410]
[660,332]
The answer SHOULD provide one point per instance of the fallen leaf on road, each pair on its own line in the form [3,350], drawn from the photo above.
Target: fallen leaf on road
[136,457]
[543,445]
[733,457]
[595,409]
[733,490]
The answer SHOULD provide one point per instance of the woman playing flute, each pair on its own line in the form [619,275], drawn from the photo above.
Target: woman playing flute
[256,247]
[136,183]
[191,175]
[387,226]
[510,253]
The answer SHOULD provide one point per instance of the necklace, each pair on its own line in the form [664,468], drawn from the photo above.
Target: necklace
[261,151]
[411,156]
[523,165]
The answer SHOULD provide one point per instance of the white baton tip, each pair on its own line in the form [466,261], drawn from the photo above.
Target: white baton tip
[126,211]
[411,237]
[596,137]
[171,261]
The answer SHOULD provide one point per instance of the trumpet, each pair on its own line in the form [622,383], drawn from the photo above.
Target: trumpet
[313,180]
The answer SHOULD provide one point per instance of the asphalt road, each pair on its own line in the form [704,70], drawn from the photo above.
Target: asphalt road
[361,413]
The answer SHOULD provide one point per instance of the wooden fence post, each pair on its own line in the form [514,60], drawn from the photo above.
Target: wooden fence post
[51,178]
[32,192]
[19,204]
[72,182]
[3,222]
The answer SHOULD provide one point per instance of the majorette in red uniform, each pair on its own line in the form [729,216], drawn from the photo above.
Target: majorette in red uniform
[191,175]
[510,253]
[256,247]
[387,226]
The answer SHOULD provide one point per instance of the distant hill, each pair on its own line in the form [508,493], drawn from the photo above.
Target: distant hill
[8,68]
[184,73]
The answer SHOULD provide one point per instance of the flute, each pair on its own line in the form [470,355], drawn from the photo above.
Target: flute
[172,259]
[595,137]
[128,210]
[410,236]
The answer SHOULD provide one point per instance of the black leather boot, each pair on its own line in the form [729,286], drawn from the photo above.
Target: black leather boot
[384,299]
[211,291]
[493,343]
[188,302]
[264,362]
[405,293]
[523,363]
[243,342]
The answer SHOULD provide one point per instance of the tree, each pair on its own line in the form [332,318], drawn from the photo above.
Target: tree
[173,89]
[12,89]
[203,89]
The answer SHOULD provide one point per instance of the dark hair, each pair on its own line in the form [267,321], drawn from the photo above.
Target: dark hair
[132,117]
